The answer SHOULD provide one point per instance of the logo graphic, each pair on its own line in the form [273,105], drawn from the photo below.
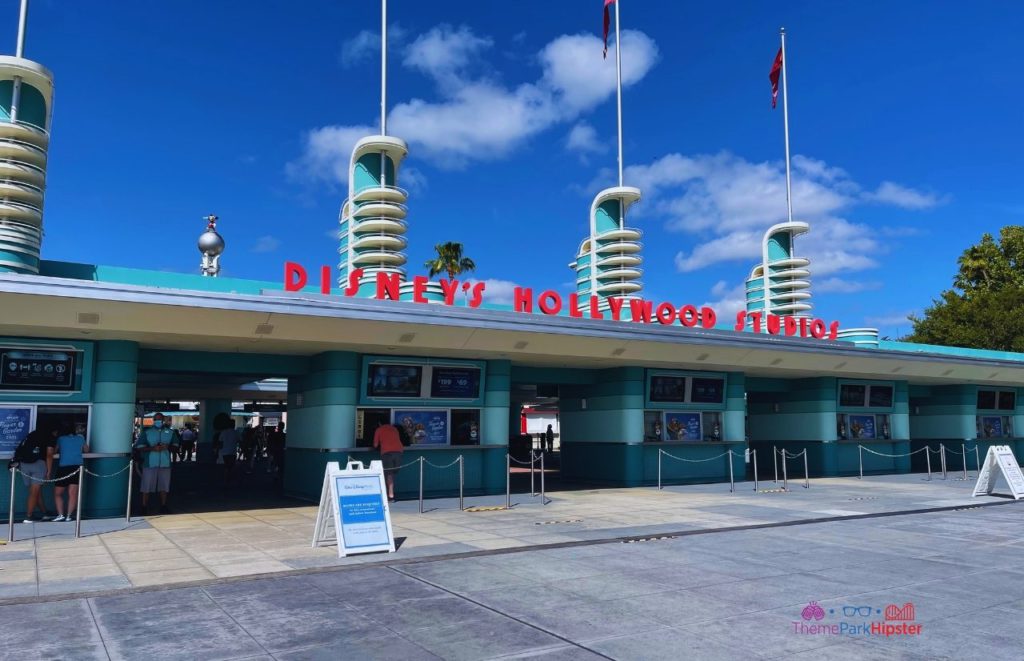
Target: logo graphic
[894,612]
[852,611]
[812,611]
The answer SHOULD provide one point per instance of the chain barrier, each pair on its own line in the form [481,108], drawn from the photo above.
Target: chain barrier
[80,472]
[694,461]
[460,460]
[785,470]
[727,453]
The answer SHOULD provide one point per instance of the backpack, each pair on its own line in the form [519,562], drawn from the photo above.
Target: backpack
[28,451]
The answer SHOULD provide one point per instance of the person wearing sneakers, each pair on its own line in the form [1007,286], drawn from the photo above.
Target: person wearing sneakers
[70,446]
[34,457]
[155,443]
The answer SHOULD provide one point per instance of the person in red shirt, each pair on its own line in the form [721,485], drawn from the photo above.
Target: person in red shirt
[386,439]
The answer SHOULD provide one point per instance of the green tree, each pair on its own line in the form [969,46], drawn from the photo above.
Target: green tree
[449,260]
[985,307]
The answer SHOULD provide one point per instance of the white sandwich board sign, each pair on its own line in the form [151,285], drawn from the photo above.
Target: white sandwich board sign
[1000,460]
[354,510]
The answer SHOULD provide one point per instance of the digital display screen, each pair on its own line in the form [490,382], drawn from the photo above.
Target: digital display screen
[1007,400]
[668,388]
[707,391]
[394,380]
[880,396]
[455,383]
[37,370]
[986,399]
[852,395]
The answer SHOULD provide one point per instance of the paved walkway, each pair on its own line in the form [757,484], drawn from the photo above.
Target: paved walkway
[956,576]
[173,549]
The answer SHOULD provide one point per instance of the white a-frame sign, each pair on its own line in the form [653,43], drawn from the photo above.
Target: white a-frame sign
[354,510]
[1000,459]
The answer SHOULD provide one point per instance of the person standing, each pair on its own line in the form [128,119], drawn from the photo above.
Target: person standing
[34,456]
[155,443]
[227,443]
[549,436]
[387,440]
[188,443]
[71,446]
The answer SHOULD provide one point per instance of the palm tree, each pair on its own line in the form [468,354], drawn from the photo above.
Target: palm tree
[449,260]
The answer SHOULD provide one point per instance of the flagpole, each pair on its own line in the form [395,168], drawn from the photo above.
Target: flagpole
[383,67]
[785,120]
[618,83]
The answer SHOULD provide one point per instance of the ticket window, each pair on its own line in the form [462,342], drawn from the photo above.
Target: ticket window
[53,417]
[367,421]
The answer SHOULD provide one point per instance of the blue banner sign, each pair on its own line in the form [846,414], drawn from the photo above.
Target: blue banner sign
[14,427]
[361,506]
[423,427]
[991,426]
[682,427]
[862,426]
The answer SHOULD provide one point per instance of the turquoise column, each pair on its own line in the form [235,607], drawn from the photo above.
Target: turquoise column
[899,425]
[734,418]
[208,410]
[495,424]
[113,416]
[321,420]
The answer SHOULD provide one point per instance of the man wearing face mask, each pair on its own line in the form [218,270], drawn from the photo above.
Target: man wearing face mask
[156,445]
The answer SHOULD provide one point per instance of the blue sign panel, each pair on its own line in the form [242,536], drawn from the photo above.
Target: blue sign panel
[682,427]
[423,427]
[361,505]
[455,383]
[14,427]
[862,426]
[992,426]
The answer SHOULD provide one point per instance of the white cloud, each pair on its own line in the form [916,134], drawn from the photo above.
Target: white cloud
[889,320]
[583,139]
[734,246]
[367,44]
[842,286]
[266,244]
[728,300]
[445,53]
[903,197]
[478,117]
[498,291]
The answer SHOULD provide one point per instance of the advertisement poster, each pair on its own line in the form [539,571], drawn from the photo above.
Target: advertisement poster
[395,380]
[361,505]
[992,426]
[423,427]
[455,383]
[862,426]
[682,427]
[14,427]
[36,370]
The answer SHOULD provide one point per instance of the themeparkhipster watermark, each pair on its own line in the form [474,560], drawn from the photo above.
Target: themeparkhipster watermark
[861,620]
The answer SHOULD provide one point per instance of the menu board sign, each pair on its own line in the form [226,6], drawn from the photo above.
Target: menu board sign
[668,388]
[707,391]
[386,380]
[22,369]
[455,383]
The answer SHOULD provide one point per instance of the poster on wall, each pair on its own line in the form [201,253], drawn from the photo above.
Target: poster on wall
[682,427]
[14,427]
[423,427]
[455,383]
[862,426]
[991,426]
[36,370]
[395,380]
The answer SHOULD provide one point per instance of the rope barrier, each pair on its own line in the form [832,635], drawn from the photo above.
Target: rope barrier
[457,460]
[695,461]
[885,454]
[89,472]
[789,455]
[40,480]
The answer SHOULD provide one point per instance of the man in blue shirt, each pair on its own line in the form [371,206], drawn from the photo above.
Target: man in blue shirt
[155,444]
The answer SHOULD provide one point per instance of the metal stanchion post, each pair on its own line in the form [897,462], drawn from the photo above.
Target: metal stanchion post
[977,457]
[807,475]
[462,481]
[508,481]
[10,513]
[533,460]
[659,467]
[963,451]
[732,484]
[928,461]
[543,496]
[128,509]
[775,460]
[785,473]
[942,456]
[754,452]
[860,460]
[421,485]
[78,505]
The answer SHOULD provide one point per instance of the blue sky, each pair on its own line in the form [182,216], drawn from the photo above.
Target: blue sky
[905,126]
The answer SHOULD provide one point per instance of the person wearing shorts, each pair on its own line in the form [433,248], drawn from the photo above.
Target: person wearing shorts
[155,443]
[387,440]
[71,446]
[35,468]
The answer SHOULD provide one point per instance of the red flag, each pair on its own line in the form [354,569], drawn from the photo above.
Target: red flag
[774,76]
[607,22]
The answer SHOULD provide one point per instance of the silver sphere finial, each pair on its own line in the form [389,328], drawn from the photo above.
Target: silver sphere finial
[211,244]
